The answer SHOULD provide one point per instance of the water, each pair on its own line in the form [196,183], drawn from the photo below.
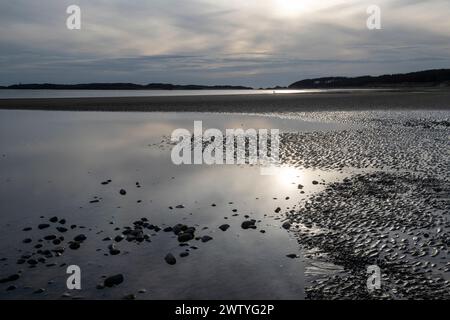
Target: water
[53,163]
[28,94]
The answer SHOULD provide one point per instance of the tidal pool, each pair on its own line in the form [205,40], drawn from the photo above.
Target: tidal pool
[52,164]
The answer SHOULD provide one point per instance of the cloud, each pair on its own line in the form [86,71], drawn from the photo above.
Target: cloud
[259,43]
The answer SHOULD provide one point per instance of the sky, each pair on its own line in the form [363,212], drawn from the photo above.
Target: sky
[258,43]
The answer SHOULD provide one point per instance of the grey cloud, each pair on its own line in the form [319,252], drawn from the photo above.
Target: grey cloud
[207,42]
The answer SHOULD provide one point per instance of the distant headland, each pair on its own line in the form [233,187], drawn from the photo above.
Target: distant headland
[427,78]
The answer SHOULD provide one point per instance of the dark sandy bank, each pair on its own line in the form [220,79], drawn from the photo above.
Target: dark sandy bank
[428,100]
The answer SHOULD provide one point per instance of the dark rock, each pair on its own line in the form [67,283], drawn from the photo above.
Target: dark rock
[113,280]
[170,259]
[292,256]
[27,229]
[286,225]
[224,227]
[178,228]
[249,224]
[27,240]
[185,237]
[32,262]
[53,219]
[206,238]
[119,238]
[74,245]
[123,192]
[184,254]
[50,237]
[11,278]
[80,238]
[43,226]
[61,229]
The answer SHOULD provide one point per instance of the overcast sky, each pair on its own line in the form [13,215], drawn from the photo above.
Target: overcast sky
[255,42]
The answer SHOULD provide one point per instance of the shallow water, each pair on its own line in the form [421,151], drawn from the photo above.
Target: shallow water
[53,163]
[27,93]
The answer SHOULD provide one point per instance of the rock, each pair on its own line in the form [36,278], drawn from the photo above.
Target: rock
[180,206]
[27,229]
[74,245]
[300,186]
[27,240]
[249,224]
[113,280]
[39,291]
[190,230]
[123,192]
[185,237]
[170,259]
[292,256]
[277,210]
[11,288]
[61,229]
[11,278]
[53,219]
[178,228]
[50,237]
[206,238]
[286,225]
[224,227]
[184,254]
[59,249]
[315,182]
[119,238]
[80,238]
[62,221]
[43,226]
[113,250]
[129,297]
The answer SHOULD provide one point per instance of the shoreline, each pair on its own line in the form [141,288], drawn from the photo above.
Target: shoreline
[305,102]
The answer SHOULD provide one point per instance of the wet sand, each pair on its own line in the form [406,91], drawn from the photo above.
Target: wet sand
[356,101]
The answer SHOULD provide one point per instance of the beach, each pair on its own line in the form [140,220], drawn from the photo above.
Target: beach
[384,100]
[364,181]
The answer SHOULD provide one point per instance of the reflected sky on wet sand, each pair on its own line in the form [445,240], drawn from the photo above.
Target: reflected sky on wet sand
[53,163]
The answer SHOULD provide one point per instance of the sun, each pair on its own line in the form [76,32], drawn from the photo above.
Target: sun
[292,8]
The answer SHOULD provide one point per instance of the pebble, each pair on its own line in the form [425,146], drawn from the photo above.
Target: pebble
[170,259]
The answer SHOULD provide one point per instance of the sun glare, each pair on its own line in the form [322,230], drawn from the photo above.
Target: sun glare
[289,175]
[292,8]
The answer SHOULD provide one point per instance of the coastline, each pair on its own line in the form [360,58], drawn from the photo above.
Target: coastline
[384,100]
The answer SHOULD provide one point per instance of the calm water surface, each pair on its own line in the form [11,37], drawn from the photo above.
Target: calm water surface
[53,163]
